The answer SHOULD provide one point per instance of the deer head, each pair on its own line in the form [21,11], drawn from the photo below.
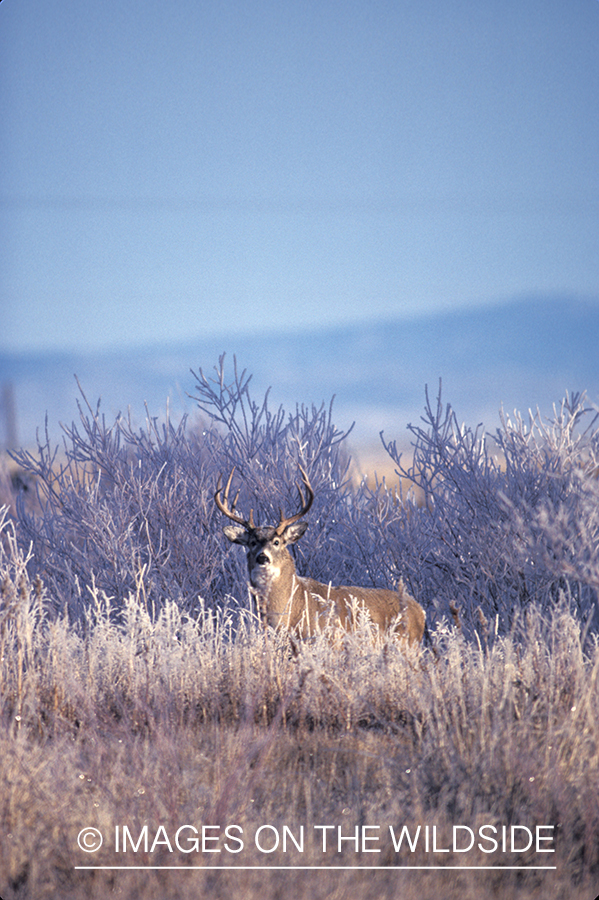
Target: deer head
[268,557]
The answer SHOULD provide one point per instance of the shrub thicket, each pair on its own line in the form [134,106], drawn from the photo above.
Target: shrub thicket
[499,523]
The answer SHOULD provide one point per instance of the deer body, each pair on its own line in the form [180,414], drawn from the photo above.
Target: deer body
[302,605]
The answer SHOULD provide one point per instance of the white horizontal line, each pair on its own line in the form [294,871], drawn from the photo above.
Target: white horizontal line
[320,868]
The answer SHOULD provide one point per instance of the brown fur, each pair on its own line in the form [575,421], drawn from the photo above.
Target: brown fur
[305,606]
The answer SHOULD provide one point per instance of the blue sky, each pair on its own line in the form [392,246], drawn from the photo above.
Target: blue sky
[190,168]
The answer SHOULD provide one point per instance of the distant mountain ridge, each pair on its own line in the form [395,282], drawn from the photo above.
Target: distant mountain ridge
[521,354]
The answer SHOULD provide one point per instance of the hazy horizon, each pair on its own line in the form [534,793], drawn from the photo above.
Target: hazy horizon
[519,356]
[231,336]
[176,171]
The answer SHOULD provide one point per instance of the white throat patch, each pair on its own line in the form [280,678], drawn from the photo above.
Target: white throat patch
[262,577]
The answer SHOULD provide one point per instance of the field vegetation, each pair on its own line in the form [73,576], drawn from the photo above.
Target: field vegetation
[139,695]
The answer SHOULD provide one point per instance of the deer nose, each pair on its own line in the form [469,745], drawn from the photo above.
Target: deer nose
[262,560]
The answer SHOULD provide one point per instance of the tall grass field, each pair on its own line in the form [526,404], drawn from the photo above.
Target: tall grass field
[157,742]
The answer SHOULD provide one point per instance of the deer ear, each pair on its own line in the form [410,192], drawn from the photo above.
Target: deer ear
[237,534]
[294,532]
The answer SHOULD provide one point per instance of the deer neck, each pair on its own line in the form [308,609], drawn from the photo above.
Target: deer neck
[278,591]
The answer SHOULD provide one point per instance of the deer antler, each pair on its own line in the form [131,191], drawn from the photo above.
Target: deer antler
[223,504]
[306,504]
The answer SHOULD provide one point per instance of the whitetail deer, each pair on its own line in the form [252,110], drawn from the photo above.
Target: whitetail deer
[301,605]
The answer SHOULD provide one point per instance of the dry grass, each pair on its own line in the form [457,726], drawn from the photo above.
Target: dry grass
[373,465]
[209,722]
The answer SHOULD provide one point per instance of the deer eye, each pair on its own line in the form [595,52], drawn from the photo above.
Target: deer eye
[276,542]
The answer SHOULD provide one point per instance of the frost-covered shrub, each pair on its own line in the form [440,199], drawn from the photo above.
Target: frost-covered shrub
[506,521]
[499,523]
[123,511]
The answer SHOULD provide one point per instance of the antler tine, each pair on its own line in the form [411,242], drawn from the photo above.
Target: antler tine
[223,504]
[305,504]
